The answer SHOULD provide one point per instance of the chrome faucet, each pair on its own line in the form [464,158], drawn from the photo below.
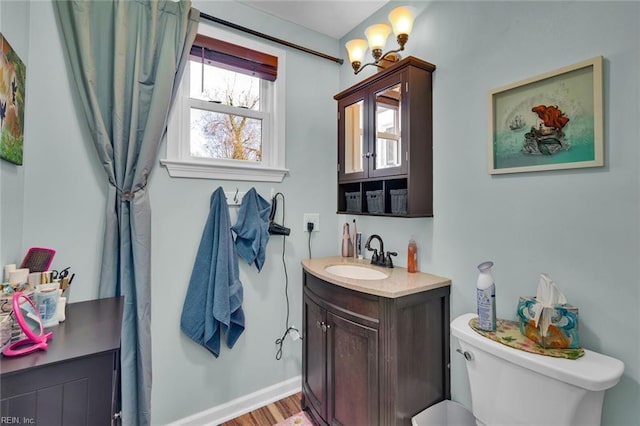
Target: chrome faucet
[379,259]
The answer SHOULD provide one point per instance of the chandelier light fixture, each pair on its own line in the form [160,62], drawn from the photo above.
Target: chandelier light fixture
[401,19]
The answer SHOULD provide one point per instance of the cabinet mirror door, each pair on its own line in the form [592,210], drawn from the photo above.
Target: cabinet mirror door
[353,137]
[388,143]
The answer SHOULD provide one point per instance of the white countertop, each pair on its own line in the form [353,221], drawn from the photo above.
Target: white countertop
[398,283]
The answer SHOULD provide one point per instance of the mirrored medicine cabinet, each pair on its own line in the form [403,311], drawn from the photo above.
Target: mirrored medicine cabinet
[385,142]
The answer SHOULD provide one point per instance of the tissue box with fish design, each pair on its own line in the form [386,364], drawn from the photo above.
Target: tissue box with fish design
[563,328]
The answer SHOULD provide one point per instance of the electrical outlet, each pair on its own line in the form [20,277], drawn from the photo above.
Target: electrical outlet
[295,335]
[313,218]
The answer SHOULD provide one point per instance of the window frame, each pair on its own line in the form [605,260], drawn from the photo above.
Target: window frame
[272,168]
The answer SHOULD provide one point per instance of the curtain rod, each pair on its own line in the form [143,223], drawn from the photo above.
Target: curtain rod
[268,37]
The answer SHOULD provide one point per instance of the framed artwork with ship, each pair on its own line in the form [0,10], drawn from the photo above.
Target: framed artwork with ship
[548,122]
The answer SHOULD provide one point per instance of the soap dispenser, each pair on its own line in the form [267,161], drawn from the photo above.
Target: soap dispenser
[412,256]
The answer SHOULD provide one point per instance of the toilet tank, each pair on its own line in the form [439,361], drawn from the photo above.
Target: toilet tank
[514,387]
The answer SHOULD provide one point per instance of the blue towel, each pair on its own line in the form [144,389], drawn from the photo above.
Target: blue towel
[214,298]
[252,228]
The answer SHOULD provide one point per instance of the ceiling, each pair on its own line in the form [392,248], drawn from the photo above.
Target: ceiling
[330,17]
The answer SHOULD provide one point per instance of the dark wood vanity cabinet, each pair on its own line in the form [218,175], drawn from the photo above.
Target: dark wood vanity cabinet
[385,156]
[76,380]
[341,367]
[372,360]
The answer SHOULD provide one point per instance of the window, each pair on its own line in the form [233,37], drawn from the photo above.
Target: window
[228,118]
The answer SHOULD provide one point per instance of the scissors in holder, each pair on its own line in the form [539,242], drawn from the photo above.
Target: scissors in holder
[60,275]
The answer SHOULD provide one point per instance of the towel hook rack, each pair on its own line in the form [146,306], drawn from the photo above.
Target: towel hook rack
[234,198]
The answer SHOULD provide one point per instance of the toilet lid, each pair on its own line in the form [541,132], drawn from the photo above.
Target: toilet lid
[446,412]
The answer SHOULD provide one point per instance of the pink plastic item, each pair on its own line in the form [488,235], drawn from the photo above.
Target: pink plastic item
[33,341]
[38,259]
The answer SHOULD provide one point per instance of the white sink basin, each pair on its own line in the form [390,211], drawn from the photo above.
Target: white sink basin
[356,272]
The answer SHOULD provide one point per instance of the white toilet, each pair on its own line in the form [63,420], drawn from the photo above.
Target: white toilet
[514,387]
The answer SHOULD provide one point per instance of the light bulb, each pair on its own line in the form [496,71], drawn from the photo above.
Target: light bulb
[377,36]
[356,49]
[401,19]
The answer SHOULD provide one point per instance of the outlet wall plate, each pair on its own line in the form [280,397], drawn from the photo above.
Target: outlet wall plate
[313,218]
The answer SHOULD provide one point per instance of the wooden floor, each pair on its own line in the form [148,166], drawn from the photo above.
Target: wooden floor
[270,414]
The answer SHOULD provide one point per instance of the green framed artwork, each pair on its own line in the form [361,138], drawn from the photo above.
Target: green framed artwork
[548,122]
[12,78]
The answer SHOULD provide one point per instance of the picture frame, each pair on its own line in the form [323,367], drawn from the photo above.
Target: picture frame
[548,122]
[12,89]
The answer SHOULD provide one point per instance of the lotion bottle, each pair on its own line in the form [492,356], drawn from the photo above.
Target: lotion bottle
[347,247]
[486,295]
[412,256]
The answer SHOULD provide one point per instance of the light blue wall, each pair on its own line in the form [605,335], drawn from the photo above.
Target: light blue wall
[580,226]
[180,207]
[14,26]
[65,188]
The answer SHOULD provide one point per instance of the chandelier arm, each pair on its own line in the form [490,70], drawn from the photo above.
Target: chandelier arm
[389,53]
[364,66]
[376,62]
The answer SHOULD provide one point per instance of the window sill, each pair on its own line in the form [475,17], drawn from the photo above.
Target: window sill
[205,170]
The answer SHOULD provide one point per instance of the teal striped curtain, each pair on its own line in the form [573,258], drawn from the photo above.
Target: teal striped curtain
[127,58]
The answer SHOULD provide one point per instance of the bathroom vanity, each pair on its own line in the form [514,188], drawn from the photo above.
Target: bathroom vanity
[375,351]
[76,380]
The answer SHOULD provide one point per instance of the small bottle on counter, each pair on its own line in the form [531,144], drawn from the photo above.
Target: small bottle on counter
[355,240]
[347,246]
[412,256]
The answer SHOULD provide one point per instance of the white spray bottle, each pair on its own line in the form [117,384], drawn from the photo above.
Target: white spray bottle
[486,293]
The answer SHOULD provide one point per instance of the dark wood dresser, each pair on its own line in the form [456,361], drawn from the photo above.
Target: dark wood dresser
[76,380]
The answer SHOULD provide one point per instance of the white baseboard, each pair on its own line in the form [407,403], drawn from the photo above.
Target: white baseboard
[242,405]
